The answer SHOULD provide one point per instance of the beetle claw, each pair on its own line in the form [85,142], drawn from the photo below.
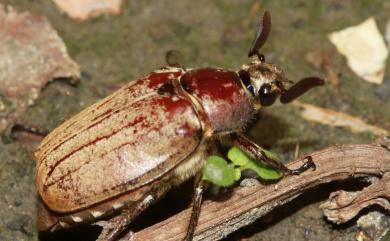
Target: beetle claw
[309,163]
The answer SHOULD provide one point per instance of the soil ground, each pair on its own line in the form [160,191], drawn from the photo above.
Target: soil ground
[113,50]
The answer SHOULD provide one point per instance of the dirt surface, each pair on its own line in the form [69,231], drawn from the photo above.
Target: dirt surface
[113,50]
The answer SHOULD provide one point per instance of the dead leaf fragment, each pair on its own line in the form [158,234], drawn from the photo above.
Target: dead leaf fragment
[32,54]
[365,49]
[84,9]
[338,119]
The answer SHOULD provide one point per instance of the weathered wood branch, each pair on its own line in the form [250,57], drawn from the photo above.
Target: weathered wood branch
[218,219]
[342,206]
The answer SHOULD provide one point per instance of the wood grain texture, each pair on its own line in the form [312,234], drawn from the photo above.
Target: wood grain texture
[218,219]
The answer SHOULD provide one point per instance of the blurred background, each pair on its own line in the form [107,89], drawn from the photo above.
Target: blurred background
[115,49]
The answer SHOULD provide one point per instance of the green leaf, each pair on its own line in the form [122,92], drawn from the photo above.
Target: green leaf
[218,171]
[238,157]
[241,159]
[237,174]
[264,171]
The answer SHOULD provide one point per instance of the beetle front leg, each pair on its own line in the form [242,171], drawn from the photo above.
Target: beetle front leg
[255,151]
[196,204]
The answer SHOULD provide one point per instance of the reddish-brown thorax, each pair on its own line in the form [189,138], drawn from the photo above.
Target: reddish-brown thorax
[223,98]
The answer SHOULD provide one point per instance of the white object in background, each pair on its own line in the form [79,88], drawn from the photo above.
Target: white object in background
[387,33]
[84,9]
[365,49]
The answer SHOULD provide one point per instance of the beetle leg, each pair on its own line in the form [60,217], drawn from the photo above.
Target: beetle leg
[196,203]
[124,220]
[11,134]
[255,151]
[20,127]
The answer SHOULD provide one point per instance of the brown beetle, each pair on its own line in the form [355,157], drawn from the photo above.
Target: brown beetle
[127,150]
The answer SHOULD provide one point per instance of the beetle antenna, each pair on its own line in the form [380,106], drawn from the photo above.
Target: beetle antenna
[300,88]
[263,30]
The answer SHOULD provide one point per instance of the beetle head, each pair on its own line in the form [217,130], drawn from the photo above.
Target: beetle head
[266,81]
[263,80]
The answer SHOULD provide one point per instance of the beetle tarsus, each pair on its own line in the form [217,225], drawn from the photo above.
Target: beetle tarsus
[309,163]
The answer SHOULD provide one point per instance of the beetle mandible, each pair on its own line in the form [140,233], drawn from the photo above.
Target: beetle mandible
[127,150]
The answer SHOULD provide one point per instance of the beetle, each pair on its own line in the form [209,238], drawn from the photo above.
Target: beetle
[126,151]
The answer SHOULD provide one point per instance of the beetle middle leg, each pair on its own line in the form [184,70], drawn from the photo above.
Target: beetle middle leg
[255,151]
[196,204]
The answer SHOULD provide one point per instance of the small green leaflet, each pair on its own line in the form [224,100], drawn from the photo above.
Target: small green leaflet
[238,157]
[241,159]
[218,171]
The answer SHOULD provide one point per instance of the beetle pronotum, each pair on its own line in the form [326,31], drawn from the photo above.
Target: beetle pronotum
[127,150]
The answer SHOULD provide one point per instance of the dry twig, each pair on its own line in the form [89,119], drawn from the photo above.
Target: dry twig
[218,219]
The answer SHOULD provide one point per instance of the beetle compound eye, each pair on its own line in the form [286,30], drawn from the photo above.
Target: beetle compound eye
[266,95]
